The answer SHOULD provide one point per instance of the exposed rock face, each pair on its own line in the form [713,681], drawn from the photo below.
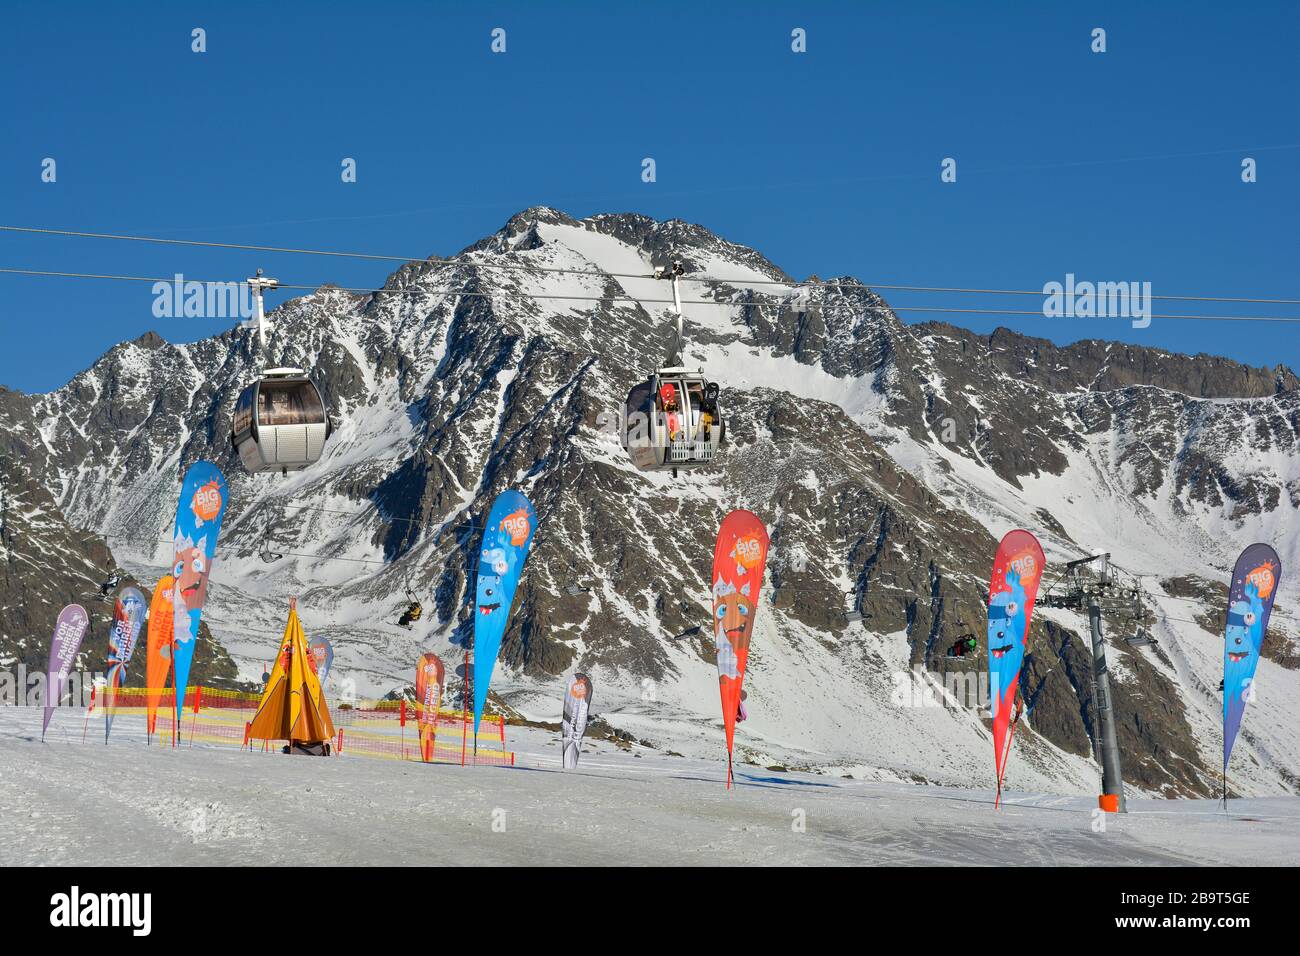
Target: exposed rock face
[44,565]
[886,460]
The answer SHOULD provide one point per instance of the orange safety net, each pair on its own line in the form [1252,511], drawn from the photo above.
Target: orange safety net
[363,727]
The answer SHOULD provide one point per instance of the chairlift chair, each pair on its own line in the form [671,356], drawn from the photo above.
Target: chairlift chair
[965,646]
[266,554]
[110,584]
[572,584]
[853,614]
[1141,637]
[414,610]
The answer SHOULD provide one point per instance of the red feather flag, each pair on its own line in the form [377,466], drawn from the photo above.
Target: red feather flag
[738,562]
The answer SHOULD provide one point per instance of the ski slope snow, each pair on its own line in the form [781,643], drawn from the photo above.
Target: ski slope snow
[214,806]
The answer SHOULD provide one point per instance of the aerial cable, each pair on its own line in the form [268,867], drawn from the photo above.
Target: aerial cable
[298,554]
[263,547]
[560,270]
[106,483]
[326,287]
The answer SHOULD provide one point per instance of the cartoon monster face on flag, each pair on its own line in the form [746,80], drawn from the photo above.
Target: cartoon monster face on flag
[199,512]
[494,565]
[733,625]
[1243,635]
[1250,601]
[1013,588]
[507,537]
[739,559]
[1008,624]
[190,569]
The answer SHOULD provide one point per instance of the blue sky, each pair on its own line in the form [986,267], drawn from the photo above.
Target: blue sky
[1116,166]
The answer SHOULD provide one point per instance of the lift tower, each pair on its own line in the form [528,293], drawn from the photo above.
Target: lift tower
[1093,585]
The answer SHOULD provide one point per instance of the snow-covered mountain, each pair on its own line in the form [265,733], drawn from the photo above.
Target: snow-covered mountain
[886,460]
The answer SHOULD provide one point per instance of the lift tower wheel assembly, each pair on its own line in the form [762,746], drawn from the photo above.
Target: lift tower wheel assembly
[1092,585]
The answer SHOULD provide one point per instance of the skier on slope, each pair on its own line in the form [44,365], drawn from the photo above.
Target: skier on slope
[111,583]
[966,644]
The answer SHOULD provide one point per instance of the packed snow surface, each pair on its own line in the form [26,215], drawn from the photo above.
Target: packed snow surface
[217,806]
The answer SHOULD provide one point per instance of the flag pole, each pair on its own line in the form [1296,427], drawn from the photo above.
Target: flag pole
[111,686]
[176,705]
[86,724]
[194,719]
[1006,755]
[464,706]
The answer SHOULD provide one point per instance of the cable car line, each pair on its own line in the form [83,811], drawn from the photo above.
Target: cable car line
[298,554]
[635,299]
[327,287]
[472,525]
[560,270]
[265,548]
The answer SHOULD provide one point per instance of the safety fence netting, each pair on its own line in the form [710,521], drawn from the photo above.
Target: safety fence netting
[393,729]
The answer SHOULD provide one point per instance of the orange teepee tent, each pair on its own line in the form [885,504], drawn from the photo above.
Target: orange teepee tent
[293,707]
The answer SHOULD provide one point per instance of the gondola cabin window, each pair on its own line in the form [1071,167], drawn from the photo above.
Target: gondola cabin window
[244,412]
[288,404]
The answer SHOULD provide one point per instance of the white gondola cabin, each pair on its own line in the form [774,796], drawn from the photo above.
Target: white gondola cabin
[673,421]
[280,422]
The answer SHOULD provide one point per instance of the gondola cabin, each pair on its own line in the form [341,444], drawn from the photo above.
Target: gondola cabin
[673,421]
[280,422]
